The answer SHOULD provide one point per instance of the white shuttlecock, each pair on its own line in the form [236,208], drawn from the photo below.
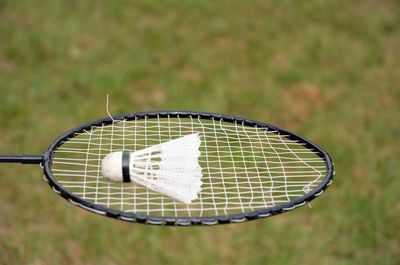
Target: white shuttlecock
[171,168]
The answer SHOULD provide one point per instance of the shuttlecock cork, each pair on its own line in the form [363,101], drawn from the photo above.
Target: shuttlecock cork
[171,168]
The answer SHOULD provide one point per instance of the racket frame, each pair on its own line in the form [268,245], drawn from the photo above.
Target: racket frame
[46,162]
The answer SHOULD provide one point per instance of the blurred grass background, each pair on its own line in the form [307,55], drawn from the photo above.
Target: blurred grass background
[328,70]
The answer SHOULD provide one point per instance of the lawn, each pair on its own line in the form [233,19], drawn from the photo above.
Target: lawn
[328,70]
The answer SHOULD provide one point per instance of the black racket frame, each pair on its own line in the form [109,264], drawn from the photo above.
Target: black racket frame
[46,162]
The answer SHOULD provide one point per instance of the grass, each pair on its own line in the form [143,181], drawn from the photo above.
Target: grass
[328,70]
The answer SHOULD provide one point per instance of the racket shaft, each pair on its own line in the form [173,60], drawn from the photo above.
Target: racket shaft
[23,159]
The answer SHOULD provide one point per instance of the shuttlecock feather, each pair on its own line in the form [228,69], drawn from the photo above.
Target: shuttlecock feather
[171,168]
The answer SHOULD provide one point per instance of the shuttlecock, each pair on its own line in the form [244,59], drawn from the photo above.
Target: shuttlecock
[171,168]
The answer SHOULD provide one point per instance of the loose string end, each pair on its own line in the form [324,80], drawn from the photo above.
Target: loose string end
[107,109]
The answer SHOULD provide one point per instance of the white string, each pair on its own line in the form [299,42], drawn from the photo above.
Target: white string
[255,161]
[147,161]
[180,133]
[159,142]
[86,164]
[111,150]
[244,168]
[307,188]
[134,187]
[170,138]
[107,109]
[234,167]
[208,164]
[123,144]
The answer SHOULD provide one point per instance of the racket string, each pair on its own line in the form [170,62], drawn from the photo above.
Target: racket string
[244,168]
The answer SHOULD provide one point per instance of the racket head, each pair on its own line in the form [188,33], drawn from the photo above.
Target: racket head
[219,217]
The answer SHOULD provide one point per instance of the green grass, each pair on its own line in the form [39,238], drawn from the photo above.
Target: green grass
[329,70]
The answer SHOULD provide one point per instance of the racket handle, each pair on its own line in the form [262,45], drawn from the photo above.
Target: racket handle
[24,159]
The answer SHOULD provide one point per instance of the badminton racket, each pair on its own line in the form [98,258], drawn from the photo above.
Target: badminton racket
[249,169]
